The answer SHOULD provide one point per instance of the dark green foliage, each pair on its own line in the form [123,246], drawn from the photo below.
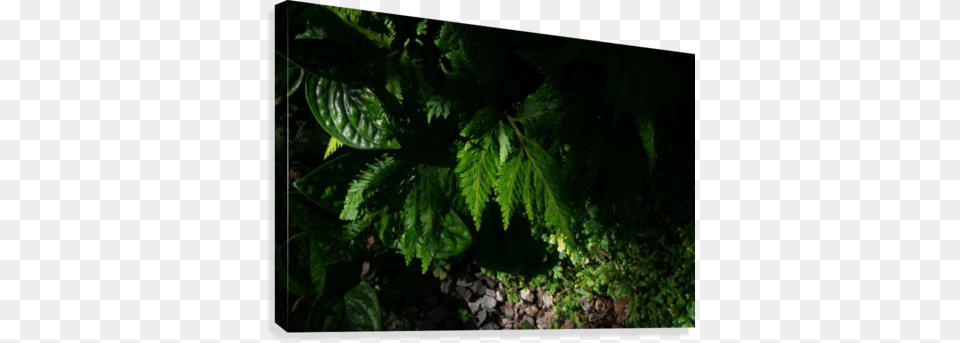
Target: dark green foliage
[583,150]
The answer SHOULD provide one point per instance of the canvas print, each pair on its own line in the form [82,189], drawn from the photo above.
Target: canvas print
[435,175]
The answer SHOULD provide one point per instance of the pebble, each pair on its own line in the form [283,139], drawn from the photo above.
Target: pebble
[527,296]
[547,300]
[532,310]
[474,305]
[446,286]
[478,288]
[488,302]
[464,293]
[491,326]
[481,316]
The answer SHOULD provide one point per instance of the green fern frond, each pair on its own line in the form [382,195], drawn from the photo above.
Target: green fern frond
[332,147]
[411,222]
[477,169]
[540,174]
[365,185]
[509,186]
[504,139]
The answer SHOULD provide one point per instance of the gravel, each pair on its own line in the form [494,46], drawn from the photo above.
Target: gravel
[488,302]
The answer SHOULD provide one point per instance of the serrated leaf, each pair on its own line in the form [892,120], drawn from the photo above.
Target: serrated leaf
[477,169]
[332,147]
[375,176]
[350,113]
[504,139]
[436,108]
[509,187]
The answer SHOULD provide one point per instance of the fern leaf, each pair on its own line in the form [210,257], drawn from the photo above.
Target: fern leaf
[411,221]
[545,173]
[437,107]
[432,212]
[504,139]
[477,168]
[364,186]
[509,187]
[332,147]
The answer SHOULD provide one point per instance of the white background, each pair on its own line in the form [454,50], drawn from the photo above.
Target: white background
[136,165]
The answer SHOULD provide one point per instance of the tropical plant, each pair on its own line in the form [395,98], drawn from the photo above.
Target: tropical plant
[439,131]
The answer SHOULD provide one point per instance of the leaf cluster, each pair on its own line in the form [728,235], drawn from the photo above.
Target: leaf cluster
[586,146]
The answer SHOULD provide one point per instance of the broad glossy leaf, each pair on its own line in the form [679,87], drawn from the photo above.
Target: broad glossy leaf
[455,237]
[327,185]
[350,113]
[363,308]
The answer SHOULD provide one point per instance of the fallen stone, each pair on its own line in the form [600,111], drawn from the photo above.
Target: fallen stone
[488,301]
[500,295]
[542,324]
[437,314]
[481,316]
[491,326]
[446,286]
[527,296]
[495,311]
[431,301]
[492,293]
[548,315]
[474,305]
[531,310]
[547,300]
[568,324]
[489,283]
[508,311]
[464,293]
[467,278]
[478,288]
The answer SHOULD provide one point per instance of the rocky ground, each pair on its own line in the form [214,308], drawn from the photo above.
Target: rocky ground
[484,303]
